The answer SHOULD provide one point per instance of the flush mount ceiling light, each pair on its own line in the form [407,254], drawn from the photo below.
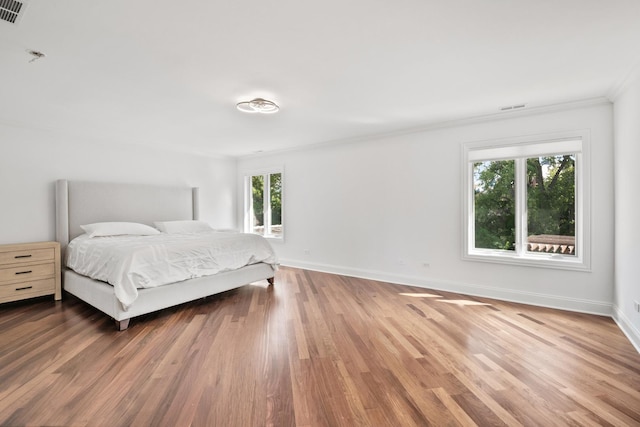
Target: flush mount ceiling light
[258,105]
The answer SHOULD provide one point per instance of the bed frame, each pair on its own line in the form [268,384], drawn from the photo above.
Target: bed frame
[82,202]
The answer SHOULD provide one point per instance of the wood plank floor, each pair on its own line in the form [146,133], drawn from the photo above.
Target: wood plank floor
[316,350]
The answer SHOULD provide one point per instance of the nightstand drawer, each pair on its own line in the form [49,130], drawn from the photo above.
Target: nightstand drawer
[22,290]
[27,272]
[18,256]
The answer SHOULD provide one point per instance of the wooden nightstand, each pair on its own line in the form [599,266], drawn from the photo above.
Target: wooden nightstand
[29,270]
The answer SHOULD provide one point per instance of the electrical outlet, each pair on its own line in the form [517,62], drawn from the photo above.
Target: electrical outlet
[426,264]
[636,306]
[307,251]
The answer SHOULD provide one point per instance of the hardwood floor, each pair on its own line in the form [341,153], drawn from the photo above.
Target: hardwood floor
[316,350]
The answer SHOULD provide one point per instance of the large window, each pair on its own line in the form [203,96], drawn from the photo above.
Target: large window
[526,201]
[263,204]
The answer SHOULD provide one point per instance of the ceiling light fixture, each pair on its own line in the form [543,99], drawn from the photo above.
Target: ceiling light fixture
[258,105]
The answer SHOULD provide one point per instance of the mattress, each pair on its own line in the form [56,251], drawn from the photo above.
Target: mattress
[130,263]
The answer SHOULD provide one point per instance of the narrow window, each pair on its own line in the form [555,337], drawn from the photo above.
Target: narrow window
[263,204]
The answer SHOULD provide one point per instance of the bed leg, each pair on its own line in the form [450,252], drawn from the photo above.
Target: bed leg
[121,325]
[271,280]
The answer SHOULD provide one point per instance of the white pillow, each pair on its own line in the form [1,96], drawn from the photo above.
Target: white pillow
[99,229]
[174,227]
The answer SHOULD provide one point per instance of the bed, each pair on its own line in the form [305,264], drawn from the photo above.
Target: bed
[81,202]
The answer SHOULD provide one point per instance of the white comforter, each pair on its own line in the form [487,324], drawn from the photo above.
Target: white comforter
[132,262]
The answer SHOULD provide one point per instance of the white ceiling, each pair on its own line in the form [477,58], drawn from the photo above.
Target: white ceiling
[169,73]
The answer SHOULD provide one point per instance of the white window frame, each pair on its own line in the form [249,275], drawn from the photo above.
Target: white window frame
[248,201]
[519,149]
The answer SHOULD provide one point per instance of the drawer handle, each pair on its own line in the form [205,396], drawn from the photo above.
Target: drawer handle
[24,272]
[22,256]
[24,289]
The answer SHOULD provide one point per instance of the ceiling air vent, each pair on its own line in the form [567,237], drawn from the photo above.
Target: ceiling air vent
[11,10]
[507,108]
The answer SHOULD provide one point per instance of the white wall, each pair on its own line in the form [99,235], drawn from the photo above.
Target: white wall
[32,160]
[627,210]
[383,207]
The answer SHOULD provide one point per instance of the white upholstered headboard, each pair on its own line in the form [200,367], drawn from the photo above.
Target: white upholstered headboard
[83,202]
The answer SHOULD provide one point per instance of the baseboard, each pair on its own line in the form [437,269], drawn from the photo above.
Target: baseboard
[627,327]
[511,295]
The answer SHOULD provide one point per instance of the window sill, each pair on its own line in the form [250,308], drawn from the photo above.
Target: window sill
[560,262]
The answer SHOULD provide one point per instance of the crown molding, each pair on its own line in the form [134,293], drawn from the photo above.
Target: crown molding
[171,148]
[465,121]
[621,86]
